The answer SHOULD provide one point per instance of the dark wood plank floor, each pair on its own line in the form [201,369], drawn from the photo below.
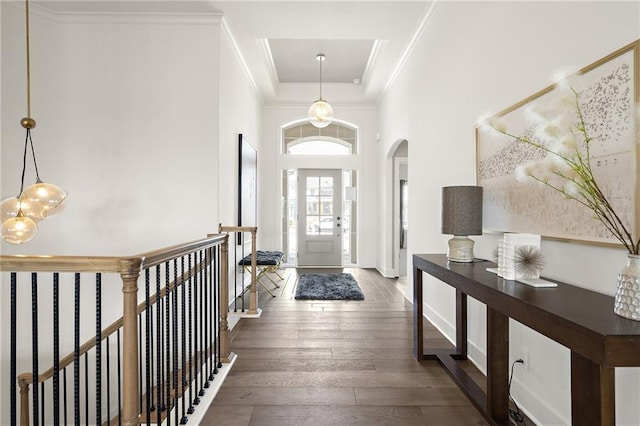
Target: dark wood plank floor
[337,363]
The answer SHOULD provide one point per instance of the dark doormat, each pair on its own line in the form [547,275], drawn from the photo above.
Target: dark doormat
[328,287]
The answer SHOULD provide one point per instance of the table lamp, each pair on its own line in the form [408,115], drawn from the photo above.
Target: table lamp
[461,217]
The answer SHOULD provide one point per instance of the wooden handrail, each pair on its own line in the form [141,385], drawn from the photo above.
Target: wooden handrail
[111,328]
[105,264]
[251,229]
[157,257]
[23,263]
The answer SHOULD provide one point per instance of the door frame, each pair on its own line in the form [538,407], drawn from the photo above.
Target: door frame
[397,161]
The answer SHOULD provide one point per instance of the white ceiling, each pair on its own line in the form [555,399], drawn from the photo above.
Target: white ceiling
[295,60]
[363,40]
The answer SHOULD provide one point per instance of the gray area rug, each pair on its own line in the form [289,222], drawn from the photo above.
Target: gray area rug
[328,287]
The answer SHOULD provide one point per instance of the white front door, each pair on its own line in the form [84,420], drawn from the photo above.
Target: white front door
[320,214]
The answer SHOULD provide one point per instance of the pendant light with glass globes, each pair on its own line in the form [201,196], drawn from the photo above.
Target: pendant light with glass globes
[320,113]
[20,214]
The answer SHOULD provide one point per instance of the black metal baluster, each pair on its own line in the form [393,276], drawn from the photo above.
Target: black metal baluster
[141,337]
[207,315]
[183,338]
[235,274]
[14,341]
[64,397]
[203,314]
[215,319]
[225,304]
[190,410]
[119,379]
[56,349]
[34,346]
[167,343]
[175,339]
[195,359]
[76,352]
[147,349]
[98,348]
[151,337]
[212,302]
[158,347]
[108,381]
[42,422]
[86,387]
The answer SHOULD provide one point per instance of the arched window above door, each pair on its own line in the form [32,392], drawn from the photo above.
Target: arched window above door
[306,139]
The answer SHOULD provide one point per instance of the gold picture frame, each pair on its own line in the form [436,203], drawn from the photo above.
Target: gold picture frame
[609,98]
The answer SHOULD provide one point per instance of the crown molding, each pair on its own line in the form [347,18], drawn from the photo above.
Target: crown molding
[409,47]
[273,72]
[375,50]
[243,64]
[97,17]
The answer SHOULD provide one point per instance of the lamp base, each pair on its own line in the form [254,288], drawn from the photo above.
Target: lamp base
[461,249]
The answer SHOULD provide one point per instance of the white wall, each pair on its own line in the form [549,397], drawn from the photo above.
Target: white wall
[474,56]
[393,122]
[127,113]
[270,164]
[240,112]
[130,112]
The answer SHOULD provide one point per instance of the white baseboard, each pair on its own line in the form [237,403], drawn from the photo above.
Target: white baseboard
[477,356]
[215,385]
[529,403]
[447,329]
[211,392]
[387,273]
[526,399]
[235,317]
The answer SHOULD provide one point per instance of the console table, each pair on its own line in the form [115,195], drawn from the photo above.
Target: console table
[578,319]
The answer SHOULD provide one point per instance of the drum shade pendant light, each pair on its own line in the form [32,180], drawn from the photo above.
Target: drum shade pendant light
[38,201]
[320,113]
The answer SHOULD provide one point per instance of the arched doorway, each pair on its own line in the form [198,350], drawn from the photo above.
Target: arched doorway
[399,184]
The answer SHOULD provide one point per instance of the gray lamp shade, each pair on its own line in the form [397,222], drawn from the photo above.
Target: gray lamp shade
[462,210]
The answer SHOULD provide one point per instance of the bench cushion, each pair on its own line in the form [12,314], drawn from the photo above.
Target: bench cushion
[264,257]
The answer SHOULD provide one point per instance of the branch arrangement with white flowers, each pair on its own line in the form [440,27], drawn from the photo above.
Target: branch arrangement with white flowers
[567,165]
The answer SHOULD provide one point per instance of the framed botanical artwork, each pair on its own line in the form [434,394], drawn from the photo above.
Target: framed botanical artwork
[247,185]
[609,95]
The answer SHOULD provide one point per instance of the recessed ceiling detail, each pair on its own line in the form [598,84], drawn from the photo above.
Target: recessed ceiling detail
[277,41]
[295,59]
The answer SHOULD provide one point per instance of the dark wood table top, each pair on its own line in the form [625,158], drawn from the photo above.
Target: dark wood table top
[580,319]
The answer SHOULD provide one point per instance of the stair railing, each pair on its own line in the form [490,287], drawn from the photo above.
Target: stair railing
[169,342]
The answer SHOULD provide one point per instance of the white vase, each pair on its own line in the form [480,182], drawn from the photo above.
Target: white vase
[627,300]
